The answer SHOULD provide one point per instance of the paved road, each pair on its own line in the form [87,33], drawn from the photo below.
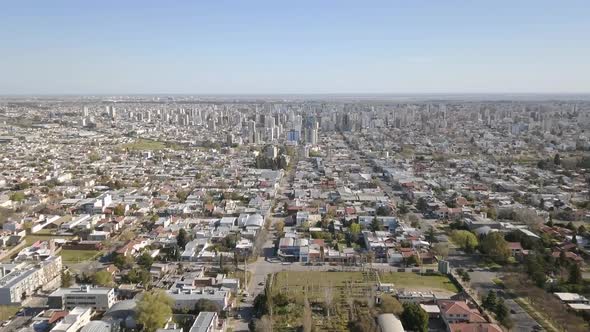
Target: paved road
[482,282]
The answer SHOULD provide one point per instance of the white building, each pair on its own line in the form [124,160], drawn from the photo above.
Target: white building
[99,298]
[25,279]
[74,321]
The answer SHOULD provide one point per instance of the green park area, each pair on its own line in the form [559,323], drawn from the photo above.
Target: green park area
[8,311]
[77,256]
[338,300]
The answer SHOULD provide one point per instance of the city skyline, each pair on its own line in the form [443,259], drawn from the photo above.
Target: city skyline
[284,49]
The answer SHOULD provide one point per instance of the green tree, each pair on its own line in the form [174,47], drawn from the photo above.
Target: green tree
[390,305]
[122,261]
[430,237]
[414,317]
[66,279]
[496,247]
[501,310]
[464,239]
[182,196]
[18,196]
[575,274]
[145,260]
[383,211]
[441,249]
[279,226]
[376,225]
[154,309]
[119,210]
[355,228]
[557,159]
[422,204]
[490,300]
[103,278]
[206,305]
[182,238]
[403,208]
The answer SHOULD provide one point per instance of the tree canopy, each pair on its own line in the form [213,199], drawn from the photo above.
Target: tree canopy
[464,239]
[414,317]
[154,310]
[496,247]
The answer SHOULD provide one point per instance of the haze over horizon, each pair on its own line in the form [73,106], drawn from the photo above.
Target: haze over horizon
[277,48]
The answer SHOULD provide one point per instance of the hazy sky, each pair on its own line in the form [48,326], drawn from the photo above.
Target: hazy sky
[249,46]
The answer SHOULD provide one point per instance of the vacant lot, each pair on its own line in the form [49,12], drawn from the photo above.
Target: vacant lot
[30,239]
[77,256]
[7,311]
[413,281]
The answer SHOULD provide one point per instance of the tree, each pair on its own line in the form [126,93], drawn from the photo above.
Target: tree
[574,239]
[18,196]
[119,210]
[376,225]
[280,226]
[390,305]
[206,305]
[575,274]
[430,237]
[122,261]
[103,278]
[182,196]
[413,260]
[355,228]
[94,156]
[307,318]
[441,249]
[557,159]
[501,310]
[403,208]
[383,211]
[182,238]
[490,301]
[145,260]
[496,247]
[154,310]
[66,279]
[464,239]
[422,204]
[414,317]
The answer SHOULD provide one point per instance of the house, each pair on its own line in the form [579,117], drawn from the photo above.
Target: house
[459,312]
[515,249]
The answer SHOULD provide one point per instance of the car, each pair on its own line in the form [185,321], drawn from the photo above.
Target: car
[261,284]
[470,270]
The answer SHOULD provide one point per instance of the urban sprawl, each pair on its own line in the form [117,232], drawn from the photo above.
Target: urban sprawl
[175,214]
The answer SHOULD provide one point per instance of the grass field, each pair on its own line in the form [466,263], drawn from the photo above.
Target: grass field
[7,311]
[343,288]
[419,282]
[76,256]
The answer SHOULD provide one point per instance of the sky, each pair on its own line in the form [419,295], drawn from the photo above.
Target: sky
[294,47]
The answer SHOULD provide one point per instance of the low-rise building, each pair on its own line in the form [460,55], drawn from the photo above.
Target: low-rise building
[99,298]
